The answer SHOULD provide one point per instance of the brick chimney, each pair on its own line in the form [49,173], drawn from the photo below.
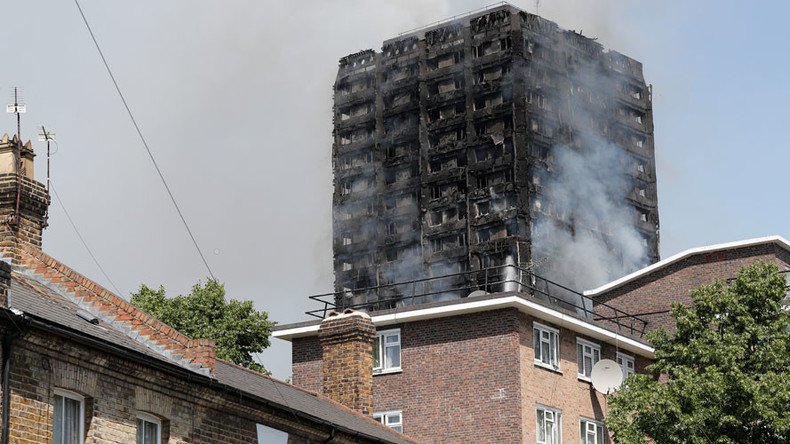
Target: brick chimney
[26,225]
[347,345]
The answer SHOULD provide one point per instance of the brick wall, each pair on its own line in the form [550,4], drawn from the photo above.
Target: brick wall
[116,390]
[472,378]
[456,372]
[561,390]
[656,291]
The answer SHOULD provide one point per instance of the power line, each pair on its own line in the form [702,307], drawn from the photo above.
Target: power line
[142,139]
[84,244]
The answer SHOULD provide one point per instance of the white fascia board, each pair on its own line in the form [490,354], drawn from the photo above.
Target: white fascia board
[541,312]
[779,240]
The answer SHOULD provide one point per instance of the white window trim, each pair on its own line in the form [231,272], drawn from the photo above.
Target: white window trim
[558,423]
[382,418]
[147,417]
[76,397]
[619,356]
[382,350]
[583,342]
[536,327]
[598,424]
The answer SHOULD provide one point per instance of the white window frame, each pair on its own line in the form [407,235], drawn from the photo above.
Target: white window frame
[75,397]
[584,374]
[586,426]
[622,360]
[554,435]
[147,417]
[384,418]
[538,330]
[385,367]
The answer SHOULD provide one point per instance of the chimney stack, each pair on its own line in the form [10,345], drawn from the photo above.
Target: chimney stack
[347,345]
[23,200]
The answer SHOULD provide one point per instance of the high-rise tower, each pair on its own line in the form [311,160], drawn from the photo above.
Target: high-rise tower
[494,139]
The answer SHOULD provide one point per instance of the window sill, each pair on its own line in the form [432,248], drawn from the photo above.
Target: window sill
[541,364]
[584,378]
[388,371]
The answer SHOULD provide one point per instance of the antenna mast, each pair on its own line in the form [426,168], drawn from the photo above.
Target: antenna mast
[18,109]
[46,136]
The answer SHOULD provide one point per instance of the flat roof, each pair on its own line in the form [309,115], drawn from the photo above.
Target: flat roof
[778,240]
[521,301]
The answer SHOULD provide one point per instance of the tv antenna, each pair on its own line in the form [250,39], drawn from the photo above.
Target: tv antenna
[46,136]
[606,376]
[537,7]
[18,109]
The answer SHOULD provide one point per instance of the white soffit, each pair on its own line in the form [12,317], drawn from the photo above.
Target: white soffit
[539,311]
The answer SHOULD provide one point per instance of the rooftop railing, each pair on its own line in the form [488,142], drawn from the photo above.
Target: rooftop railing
[499,279]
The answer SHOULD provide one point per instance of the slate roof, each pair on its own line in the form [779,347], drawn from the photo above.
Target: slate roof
[40,300]
[302,400]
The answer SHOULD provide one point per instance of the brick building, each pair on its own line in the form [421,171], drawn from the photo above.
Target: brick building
[648,293]
[453,148]
[506,367]
[477,369]
[81,365]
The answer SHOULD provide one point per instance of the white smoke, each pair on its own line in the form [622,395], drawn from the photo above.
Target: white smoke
[590,234]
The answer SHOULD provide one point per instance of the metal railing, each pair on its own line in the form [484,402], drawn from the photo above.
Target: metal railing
[499,279]
[453,18]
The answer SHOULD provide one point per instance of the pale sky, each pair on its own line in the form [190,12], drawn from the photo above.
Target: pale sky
[234,98]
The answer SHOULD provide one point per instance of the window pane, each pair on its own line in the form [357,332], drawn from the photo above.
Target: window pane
[536,346]
[140,431]
[57,421]
[151,433]
[580,358]
[393,418]
[587,365]
[541,431]
[555,349]
[393,339]
[393,356]
[376,353]
[71,421]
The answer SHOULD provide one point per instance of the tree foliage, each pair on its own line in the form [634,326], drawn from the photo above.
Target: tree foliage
[238,329]
[724,374]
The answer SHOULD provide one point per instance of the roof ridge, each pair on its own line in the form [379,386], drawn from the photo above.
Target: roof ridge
[196,354]
[775,239]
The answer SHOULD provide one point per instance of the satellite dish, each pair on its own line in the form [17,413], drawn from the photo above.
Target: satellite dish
[606,376]
[477,293]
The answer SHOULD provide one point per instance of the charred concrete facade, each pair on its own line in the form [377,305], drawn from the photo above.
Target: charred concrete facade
[444,140]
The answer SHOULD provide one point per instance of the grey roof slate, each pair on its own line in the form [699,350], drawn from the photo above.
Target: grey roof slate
[307,402]
[38,300]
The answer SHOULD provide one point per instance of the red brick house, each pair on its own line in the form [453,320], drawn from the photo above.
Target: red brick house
[648,293]
[484,368]
[81,365]
[467,370]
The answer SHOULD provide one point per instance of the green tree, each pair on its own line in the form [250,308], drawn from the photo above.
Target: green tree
[724,374]
[238,329]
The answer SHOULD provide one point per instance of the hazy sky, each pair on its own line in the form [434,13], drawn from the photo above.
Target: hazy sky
[235,100]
